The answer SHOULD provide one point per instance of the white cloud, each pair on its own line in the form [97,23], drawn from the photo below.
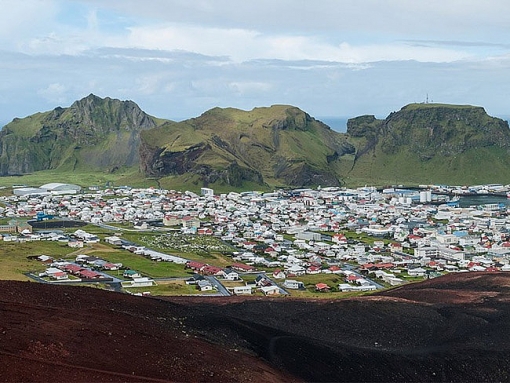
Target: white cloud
[244,88]
[180,57]
[55,93]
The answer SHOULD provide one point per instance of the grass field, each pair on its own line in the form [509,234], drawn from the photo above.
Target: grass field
[168,288]
[14,261]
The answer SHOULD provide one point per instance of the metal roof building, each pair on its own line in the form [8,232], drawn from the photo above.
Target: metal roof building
[61,188]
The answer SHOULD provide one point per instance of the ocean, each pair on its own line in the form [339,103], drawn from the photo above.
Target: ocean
[338,124]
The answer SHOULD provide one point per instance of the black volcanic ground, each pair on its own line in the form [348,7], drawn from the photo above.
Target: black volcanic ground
[453,328]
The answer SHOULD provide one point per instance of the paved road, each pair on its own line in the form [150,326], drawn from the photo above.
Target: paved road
[282,290]
[352,269]
[216,283]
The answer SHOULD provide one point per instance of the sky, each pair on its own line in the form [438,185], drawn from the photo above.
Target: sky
[331,58]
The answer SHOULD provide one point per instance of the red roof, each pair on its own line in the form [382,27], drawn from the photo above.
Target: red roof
[72,268]
[208,269]
[242,266]
[89,274]
[321,286]
[195,265]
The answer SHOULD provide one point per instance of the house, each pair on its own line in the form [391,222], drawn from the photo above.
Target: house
[45,259]
[339,239]
[352,278]
[230,275]
[139,282]
[270,290]
[195,266]
[111,266]
[113,240]
[89,274]
[75,243]
[395,281]
[243,268]
[323,287]
[56,274]
[278,274]
[171,220]
[313,270]
[295,270]
[131,274]
[345,287]
[242,290]
[416,272]
[71,268]
[193,280]
[262,280]
[204,285]
[190,222]
[59,276]
[293,284]
[212,270]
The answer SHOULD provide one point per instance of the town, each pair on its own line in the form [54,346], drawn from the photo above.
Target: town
[329,241]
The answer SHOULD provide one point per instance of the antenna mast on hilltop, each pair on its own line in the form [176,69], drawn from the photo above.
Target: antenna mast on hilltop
[427,99]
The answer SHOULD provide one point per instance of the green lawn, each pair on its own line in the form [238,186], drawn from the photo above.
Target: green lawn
[168,288]
[14,261]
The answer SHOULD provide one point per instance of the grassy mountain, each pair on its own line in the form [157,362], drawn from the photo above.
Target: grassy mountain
[273,146]
[93,133]
[280,145]
[431,143]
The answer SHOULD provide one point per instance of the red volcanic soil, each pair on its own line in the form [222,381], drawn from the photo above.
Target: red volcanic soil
[454,328]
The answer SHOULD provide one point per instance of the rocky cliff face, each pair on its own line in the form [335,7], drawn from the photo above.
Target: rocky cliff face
[434,142]
[429,130]
[280,145]
[92,132]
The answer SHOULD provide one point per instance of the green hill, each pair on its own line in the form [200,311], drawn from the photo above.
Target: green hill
[279,146]
[92,134]
[454,144]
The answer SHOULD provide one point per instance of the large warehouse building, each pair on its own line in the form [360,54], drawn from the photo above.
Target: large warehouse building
[51,188]
[58,188]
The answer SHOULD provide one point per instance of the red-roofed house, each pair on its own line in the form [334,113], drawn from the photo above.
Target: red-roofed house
[195,266]
[278,274]
[335,269]
[242,267]
[212,270]
[322,287]
[339,239]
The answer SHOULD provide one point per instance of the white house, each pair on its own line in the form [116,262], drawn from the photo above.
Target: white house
[230,275]
[270,290]
[242,290]
[417,272]
[293,284]
[139,282]
[113,240]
